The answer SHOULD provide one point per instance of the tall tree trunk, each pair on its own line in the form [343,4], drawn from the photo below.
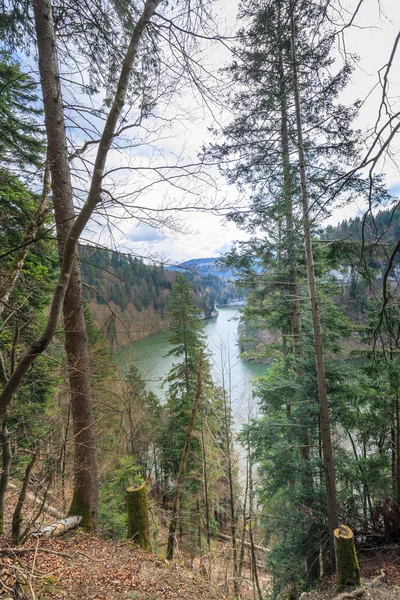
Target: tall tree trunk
[295,319]
[397,421]
[205,480]
[182,468]
[39,345]
[327,451]
[205,494]
[243,538]
[85,500]
[17,515]
[228,441]
[254,566]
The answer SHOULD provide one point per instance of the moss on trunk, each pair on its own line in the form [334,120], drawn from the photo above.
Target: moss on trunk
[80,509]
[348,571]
[138,517]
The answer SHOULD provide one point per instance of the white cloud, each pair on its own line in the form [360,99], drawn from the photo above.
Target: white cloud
[144,233]
[184,124]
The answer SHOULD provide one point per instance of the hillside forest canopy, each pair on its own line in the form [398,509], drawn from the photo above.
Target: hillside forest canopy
[94,98]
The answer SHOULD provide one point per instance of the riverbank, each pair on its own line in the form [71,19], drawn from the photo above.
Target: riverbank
[150,355]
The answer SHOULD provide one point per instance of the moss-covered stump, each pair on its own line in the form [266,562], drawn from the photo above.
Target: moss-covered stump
[348,571]
[138,516]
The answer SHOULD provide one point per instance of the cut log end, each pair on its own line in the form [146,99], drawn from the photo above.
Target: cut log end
[135,488]
[58,528]
[343,532]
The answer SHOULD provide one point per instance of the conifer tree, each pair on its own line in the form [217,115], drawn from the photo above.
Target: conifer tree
[260,146]
[21,138]
[187,341]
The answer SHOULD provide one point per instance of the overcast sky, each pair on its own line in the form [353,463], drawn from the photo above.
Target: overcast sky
[204,235]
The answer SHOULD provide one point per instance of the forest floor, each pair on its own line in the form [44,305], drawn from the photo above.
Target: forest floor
[380,578]
[79,567]
[82,567]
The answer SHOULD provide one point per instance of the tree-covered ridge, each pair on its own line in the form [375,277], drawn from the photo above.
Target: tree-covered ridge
[385,225]
[139,293]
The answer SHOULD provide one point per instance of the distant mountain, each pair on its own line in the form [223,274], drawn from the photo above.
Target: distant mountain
[203,266]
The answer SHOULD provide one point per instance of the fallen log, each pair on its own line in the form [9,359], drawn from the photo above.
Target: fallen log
[227,538]
[350,595]
[58,528]
[361,590]
[50,510]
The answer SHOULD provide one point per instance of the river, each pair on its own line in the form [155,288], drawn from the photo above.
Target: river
[228,368]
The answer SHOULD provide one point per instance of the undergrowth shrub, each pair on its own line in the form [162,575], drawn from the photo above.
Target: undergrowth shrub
[113,511]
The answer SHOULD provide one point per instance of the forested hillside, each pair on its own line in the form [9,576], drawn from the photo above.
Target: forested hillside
[129,299]
[350,283]
[383,224]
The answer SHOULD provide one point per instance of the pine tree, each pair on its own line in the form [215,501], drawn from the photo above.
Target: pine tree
[21,139]
[258,153]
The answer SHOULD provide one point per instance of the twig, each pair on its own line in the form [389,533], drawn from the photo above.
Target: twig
[34,557]
[36,549]
[355,594]
[361,590]
[46,551]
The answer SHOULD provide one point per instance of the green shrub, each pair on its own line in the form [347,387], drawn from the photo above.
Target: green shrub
[113,512]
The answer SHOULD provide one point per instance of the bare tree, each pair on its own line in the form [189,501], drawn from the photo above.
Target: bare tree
[85,471]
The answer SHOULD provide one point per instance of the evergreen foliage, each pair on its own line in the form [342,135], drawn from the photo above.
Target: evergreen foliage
[137,290]
[113,515]
[21,138]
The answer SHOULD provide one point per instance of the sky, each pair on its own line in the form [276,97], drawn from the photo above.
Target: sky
[186,234]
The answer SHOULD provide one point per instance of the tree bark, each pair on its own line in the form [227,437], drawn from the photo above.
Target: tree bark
[5,469]
[138,516]
[17,515]
[182,468]
[228,440]
[242,541]
[254,565]
[348,571]
[205,480]
[327,451]
[85,500]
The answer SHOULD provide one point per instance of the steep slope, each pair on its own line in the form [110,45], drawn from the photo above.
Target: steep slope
[81,566]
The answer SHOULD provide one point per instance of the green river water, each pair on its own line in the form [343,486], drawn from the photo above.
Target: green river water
[227,367]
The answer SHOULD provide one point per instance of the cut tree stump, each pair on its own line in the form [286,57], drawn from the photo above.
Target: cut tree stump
[138,516]
[348,571]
